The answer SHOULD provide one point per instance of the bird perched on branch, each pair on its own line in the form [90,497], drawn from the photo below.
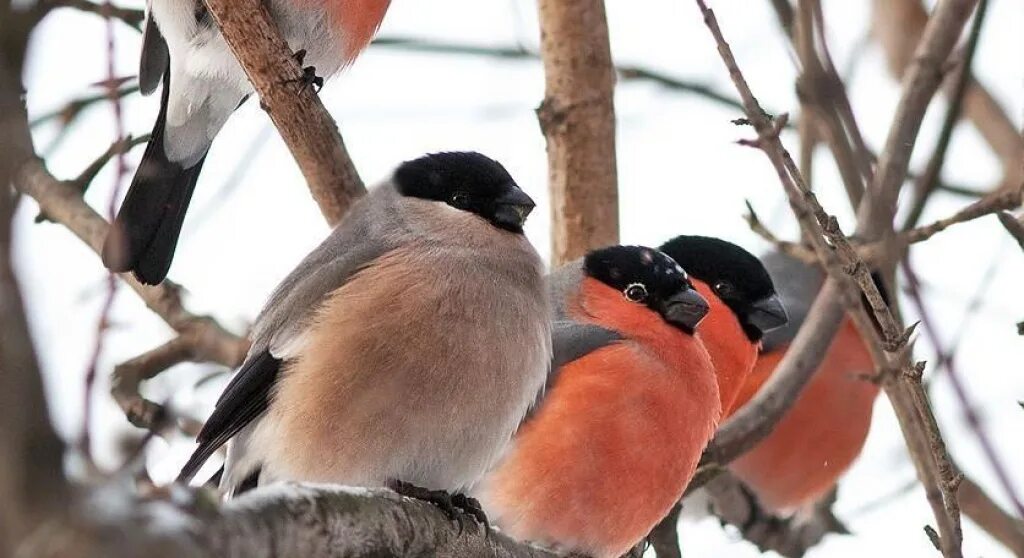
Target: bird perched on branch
[744,306]
[817,440]
[630,405]
[203,84]
[404,351]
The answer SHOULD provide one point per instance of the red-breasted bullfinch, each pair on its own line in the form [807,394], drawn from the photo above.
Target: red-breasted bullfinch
[743,302]
[202,85]
[630,405]
[824,431]
[406,348]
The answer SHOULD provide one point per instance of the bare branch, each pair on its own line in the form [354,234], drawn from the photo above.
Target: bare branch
[194,345]
[303,122]
[898,25]
[129,16]
[315,521]
[1014,226]
[578,121]
[920,81]
[903,388]
[926,183]
[788,536]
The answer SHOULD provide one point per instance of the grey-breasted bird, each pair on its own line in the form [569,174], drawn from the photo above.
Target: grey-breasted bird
[406,348]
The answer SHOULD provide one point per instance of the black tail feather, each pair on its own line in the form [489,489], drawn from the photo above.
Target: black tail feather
[145,233]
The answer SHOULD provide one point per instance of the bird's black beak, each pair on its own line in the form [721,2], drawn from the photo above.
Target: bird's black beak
[512,208]
[685,309]
[767,314]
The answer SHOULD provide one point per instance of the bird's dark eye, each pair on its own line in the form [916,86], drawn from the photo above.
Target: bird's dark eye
[635,292]
[725,289]
[459,200]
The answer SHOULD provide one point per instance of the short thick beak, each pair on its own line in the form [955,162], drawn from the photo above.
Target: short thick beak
[685,309]
[512,208]
[767,314]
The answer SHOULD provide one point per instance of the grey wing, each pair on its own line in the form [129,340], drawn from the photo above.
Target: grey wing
[572,340]
[797,284]
[155,58]
[368,232]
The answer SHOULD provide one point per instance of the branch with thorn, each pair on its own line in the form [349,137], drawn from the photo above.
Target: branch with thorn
[899,377]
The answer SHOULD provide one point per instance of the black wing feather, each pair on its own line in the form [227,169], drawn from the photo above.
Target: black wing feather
[245,398]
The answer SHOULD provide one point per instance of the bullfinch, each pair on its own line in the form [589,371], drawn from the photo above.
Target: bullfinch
[823,432]
[744,305]
[202,85]
[404,351]
[631,403]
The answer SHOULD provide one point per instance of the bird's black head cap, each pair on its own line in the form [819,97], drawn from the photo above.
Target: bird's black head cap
[736,276]
[467,181]
[649,277]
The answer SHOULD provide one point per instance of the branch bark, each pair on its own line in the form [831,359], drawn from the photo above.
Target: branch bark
[900,379]
[578,121]
[305,125]
[282,520]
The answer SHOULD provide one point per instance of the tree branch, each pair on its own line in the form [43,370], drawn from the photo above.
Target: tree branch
[305,125]
[901,380]
[898,25]
[315,521]
[578,121]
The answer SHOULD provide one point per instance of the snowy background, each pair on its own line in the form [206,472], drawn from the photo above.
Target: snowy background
[680,171]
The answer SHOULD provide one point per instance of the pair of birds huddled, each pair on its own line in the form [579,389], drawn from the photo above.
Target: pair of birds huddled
[422,348]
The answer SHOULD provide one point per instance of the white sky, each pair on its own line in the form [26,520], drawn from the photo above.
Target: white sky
[680,172]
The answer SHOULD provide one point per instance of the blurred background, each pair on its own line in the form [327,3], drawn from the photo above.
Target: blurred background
[680,171]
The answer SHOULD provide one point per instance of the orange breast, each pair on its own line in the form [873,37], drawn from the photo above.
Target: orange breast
[821,435]
[359,20]
[732,353]
[615,440]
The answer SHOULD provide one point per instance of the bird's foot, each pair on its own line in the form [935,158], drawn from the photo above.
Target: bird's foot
[309,77]
[456,506]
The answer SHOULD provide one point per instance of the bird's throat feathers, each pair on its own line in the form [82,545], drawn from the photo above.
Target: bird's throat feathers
[732,352]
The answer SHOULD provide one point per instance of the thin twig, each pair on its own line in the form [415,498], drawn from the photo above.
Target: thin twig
[912,408]
[1013,226]
[130,16]
[925,184]
[626,72]
[968,409]
[121,171]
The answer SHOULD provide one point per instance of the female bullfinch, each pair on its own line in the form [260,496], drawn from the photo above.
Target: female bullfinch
[743,302]
[630,405]
[202,85]
[817,440]
[404,351]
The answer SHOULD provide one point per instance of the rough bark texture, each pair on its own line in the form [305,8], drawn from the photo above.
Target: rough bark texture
[578,121]
[301,119]
[286,520]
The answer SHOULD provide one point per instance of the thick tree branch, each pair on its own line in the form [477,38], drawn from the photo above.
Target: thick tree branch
[305,125]
[578,121]
[314,521]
